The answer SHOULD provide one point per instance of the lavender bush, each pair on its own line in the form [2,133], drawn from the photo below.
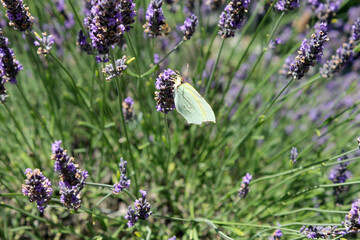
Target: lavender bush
[282,78]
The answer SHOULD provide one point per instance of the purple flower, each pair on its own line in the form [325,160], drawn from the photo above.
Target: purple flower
[37,188]
[123,182]
[352,219]
[155,25]
[293,155]
[355,30]
[72,178]
[276,235]
[3,95]
[232,17]
[9,67]
[18,14]
[315,232]
[142,210]
[120,66]
[310,52]
[189,7]
[274,43]
[339,174]
[82,43]
[287,5]
[244,188]
[68,17]
[45,43]
[325,11]
[189,27]
[127,109]
[107,22]
[165,95]
[172,238]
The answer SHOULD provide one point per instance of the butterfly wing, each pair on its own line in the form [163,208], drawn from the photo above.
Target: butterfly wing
[192,106]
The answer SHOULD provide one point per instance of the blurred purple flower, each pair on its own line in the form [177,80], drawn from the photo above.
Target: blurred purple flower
[9,67]
[232,17]
[325,10]
[310,52]
[355,30]
[244,188]
[172,238]
[18,14]
[44,43]
[68,17]
[127,108]
[37,188]
[155,25]
[72,178]
[82,43]
[189,27]
[287,5]
[339,174]
[293,155]
[315,232]
[352,219]
[276,235]
[274,43]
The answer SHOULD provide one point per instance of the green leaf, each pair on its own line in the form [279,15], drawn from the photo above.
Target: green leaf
[234,230]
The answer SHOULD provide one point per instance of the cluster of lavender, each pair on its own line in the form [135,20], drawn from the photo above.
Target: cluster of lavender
[310,52]
[120,66]
[123,182]
[287,5]
[68,17]
[127,109]
[72,178]
[244,188]
[10,67]
[339,174]
[344,53]
[276,235]
[18,14]
[165,95]
[37,187]
[293,155]
[325,10]
[107,22]
[82,43]
[142,210]
[172,238]
[352,219]
[44,43]
[155,25]
[315,232]
[232,17]
[189,27]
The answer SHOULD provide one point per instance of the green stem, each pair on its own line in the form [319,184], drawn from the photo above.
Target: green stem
[120,99]
[169,146]
[77,17]
[309,209]
[167,55]
[214,67]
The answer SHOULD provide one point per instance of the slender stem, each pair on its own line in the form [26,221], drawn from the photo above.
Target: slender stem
[214,67]
[120,99]
[167,55]
[309,209]
[77,17]
[135,55]
[103,199]
[169,145]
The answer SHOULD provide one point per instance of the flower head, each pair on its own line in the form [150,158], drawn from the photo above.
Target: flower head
[352,219]
[82,43]
[3,95]
[72,178]
[123,182]
[244,188]
[325,11]
[293,155]
[189,27]
[68,17]
[232,17]
[315,232]
[287,5]
[120,66]
[355,30]
[172,238]
[276,235]
[37,188]
[10,67]
[310,52]
[339,174]
[142,210]
[18,14]
[165,96]
[45,43]
[127,109]
[155,25]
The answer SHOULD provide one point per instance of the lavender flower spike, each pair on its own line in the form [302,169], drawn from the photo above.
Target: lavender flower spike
[244,188]
[155,25]
[72,178]
[352,219]
[123,182]
[37,188]
[82,43]
[120,66]
[315,232]
[18,14]
[142,210]
[276,235]
[128,110]
[172,238]
[189,27]
[9,67]
[165,95]
[232,17]
[339,174]
[293,155]
[45,43]
[355,30]
[3,95]
[287,5]
[310,52]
